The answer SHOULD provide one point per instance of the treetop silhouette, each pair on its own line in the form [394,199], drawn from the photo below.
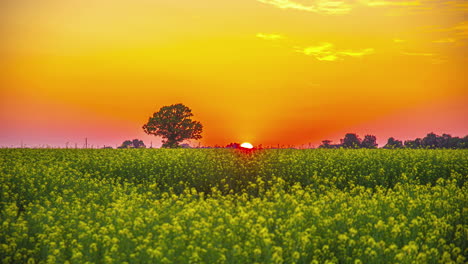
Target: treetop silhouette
[174,124]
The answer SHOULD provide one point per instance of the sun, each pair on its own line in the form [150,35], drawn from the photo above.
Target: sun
[246,145]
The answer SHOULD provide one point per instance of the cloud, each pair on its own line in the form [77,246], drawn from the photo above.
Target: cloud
[392,3]
[404,7]
[460,30]
[399,40]
[327,52]
[446,40]
[317,6]
[419,54]
[339,7]
[455,33]
[323,51]
[354,53]
[269,36]
[433,58]
[286,4]
[456,5]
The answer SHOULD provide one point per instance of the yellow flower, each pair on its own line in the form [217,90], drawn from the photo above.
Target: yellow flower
[257,251]
[296,255]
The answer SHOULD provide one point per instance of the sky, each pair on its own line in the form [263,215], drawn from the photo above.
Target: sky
[287,72]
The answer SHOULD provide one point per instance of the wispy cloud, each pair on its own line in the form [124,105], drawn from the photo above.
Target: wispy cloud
[392,3]
[455,33]
[327,52]
[356,53]
[317,6]
[323,51]
[418,54]
[456,5]
[402,7]
[460,30]
[339,7]
[269,36]
[446,40]
[399,40]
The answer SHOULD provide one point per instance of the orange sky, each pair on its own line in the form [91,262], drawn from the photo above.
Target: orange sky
[270,72]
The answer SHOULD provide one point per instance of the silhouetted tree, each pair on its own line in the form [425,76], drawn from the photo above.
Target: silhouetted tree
[351,141]
[136,143]
[445,141]
[392,143]
[457,143]
[325,144]
[233,145]
[369,141]
[125,144]
[413,144]
[174,125]
[430,141]
[463,143]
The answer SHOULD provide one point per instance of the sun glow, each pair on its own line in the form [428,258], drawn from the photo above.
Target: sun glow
[246,145]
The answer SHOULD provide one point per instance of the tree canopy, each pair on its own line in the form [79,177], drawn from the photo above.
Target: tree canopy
[174,124]
[393,143]
[351,141]
[430,141]
[369,141]
[136,143]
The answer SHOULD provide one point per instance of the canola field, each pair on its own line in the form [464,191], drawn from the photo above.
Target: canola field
[231,206]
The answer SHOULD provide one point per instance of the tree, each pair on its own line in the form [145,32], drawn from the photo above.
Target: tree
[234,145]
[392,143]
[125,144]
[463,143]
[325,144]
[369,142]
[136,143]
[431,141]
[351,141]
[447,141]
[413,144]
[174,125]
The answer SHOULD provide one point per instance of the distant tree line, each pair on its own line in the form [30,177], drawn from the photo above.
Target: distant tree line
[353,141]
[430,141]
[233,145]
[136,143]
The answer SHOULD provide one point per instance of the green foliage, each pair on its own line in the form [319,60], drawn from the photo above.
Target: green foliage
[174,125]
[230,206]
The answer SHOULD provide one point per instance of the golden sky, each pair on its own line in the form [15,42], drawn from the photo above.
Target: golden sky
[270,72]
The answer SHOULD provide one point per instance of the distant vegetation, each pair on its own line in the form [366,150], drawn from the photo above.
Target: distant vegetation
[353,141]
[136,143]
[431,141]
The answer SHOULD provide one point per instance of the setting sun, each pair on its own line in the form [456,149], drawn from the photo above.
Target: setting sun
[246,145]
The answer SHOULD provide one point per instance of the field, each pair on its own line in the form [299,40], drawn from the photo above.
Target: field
[230,206]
